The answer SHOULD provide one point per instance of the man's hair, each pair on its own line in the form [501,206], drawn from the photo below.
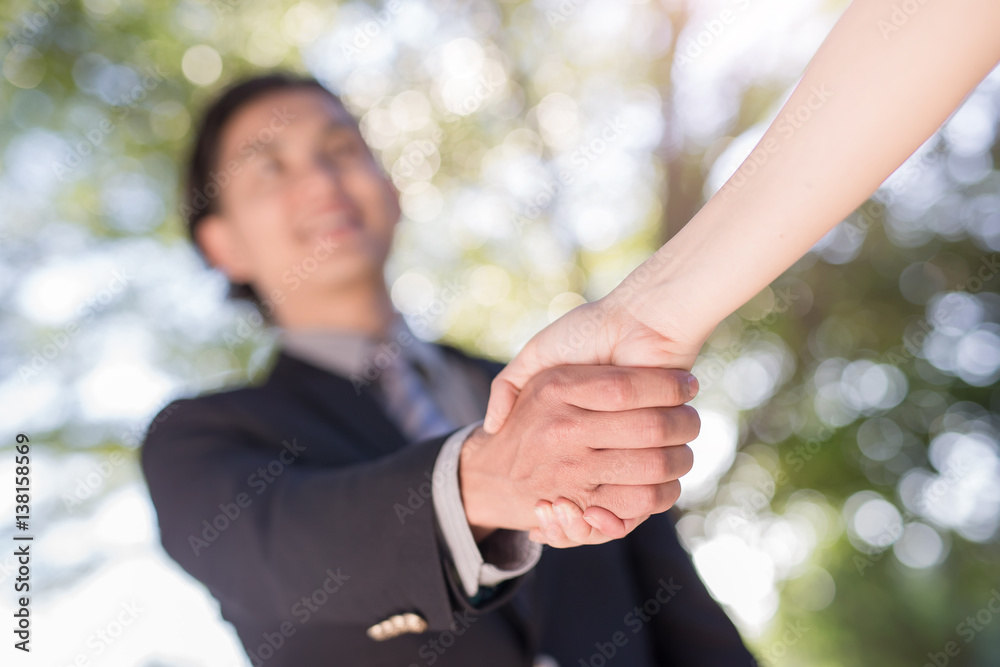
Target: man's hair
[201,194]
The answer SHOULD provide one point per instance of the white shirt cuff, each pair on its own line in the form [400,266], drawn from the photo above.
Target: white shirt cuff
[510,552]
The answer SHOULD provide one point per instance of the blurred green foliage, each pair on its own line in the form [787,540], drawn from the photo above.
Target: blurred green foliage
[99,97]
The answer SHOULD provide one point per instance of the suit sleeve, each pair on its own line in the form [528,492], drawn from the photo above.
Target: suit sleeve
[264,532]
[691,629]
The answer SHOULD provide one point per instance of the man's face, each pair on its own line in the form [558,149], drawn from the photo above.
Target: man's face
[309,211]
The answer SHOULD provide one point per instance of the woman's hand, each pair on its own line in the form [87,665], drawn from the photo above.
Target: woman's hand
[602,332]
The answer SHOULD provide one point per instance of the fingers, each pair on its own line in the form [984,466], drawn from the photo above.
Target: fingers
[606,523]
[561,525]
[633,429]
[632,502]
[574,525]
[597,388]
[654,465]
[616,388]
[557,522]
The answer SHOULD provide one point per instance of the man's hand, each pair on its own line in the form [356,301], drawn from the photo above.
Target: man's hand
[608,438]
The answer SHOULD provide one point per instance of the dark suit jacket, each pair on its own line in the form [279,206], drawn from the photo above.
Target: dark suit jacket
[303,510]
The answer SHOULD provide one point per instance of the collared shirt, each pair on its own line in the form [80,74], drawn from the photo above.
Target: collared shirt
[461,396]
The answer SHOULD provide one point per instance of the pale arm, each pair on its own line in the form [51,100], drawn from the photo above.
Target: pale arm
[873,94]
[872,97]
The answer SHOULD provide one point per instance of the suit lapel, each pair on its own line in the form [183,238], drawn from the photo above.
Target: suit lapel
[356,411]
[360,415]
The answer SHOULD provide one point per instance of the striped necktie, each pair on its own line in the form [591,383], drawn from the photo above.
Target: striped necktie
[409,402]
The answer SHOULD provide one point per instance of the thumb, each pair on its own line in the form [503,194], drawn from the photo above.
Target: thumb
[507,385]
[503,395]
[607,522]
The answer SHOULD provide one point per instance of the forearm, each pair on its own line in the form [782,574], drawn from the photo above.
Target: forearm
[279,540]
[868,99]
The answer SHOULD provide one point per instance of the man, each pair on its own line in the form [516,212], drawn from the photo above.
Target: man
[350,509]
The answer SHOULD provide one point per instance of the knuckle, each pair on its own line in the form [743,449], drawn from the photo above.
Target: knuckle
[569,472]
[619,389]
[652,426]
[644,501]
[656,468]
[550,385]
[673,393]
[561,429]
[591,496]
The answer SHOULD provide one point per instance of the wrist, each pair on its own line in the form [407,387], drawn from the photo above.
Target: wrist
[644,292]
[657,297]
[477,486]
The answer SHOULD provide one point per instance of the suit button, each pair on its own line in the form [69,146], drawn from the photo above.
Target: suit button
[544,660]
[397,625]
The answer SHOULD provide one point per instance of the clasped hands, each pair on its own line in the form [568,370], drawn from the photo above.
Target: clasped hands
[583,443]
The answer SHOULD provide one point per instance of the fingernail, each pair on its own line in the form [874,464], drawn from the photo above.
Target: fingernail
[591,521]
[692,386]
[543,520]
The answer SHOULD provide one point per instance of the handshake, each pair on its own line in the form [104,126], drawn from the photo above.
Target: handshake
[609,439]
